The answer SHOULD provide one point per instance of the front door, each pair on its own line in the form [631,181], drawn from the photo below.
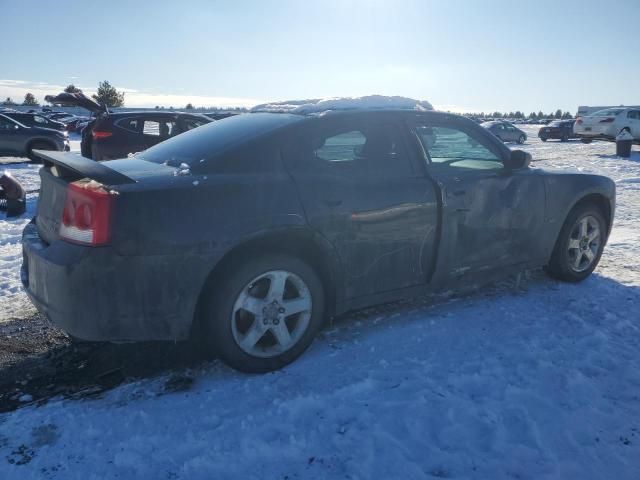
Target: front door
[492,217]
[363,191]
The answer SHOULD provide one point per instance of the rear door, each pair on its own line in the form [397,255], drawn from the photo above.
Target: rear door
[491,217]
[363,191]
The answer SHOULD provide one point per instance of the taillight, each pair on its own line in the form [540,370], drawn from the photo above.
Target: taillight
[99,134]
[86,216]
[579,121]
[607,120]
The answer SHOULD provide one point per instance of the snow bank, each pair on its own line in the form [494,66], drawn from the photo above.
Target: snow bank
[370,102]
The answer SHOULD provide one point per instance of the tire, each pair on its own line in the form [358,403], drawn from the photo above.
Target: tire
[544,139]
[564,138]
[227,321]
[573,241]
[586,140]
[39,145]
[521,139]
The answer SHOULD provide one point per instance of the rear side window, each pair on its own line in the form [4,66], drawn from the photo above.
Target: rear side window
[354,148]
[162,128]
[131,124]
[343,147]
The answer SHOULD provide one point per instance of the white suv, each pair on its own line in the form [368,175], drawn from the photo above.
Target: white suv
[607,124]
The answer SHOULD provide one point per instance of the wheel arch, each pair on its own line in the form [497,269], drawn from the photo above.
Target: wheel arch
[599,200]
[300,242]
[35,140]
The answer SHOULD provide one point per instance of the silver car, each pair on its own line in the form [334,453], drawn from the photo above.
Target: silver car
[505,131]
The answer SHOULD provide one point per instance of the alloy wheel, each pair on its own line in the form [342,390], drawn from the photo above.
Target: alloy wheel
[584,243]
[271,314]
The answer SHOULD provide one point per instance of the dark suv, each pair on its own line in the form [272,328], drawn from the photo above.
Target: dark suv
[116,135]
[247,233]
[558,129]
[19,140]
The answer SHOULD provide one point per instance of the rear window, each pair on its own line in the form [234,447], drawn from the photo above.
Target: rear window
[202,144]
[609,112]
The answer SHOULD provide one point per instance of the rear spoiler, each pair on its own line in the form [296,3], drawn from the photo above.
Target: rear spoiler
[84,166]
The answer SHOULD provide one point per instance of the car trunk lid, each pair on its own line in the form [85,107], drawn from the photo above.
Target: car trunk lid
[62,168]
[76,100]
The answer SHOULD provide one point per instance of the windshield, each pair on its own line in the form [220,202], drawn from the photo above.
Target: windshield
[609,112]
[203,143]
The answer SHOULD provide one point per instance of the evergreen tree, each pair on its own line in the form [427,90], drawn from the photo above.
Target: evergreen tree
[71,88]
[108,95]
[30,100]
[189,106]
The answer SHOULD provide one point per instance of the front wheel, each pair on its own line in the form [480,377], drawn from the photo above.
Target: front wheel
[264,314]
[579,245]
[521,139]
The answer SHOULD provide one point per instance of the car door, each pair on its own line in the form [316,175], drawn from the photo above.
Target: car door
[511,133]
[499,131]
[491,217]
[363,191]
[11,138]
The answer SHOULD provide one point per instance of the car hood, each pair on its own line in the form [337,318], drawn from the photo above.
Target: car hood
[76,100]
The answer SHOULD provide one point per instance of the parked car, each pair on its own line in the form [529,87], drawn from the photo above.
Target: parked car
[558,129]
[75,123]
[35,120]
[115,135]
[60,116]
[607,124]
[247,234]
[19,140]
[505,131]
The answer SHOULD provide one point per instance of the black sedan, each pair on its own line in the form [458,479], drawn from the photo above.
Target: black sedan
[559,130]
[247,234]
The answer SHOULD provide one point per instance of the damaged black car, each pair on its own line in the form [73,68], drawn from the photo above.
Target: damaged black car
[247,234]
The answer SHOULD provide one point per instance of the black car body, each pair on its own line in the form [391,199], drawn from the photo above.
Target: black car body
[505,131]
[559,130]
[19,140]
[116,135]
[35,120]
[379,206]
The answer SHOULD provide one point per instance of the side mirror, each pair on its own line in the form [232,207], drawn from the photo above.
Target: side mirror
[518,159]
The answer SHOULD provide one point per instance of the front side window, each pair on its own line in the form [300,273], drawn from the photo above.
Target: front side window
[39,119]
[6,124]
[451,148]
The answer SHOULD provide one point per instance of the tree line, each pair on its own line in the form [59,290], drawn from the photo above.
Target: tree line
[106,94]
[518,115]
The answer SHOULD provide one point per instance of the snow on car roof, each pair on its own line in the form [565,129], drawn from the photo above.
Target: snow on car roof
[321,105]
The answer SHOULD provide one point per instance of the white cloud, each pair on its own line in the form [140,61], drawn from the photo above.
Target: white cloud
[16,89]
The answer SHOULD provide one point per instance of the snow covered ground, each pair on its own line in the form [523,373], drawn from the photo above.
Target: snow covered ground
[534,383]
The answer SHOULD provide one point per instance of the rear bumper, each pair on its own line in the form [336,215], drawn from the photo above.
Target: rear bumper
[95,294]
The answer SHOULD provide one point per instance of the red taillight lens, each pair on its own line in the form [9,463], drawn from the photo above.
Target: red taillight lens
[99,134]
[579,121]
[607,120]
[86,216]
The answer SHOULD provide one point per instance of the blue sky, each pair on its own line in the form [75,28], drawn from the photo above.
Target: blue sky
[460,55]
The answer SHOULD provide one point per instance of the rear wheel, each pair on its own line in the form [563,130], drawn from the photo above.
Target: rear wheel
[579,245]
[39,146]
[264,314]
